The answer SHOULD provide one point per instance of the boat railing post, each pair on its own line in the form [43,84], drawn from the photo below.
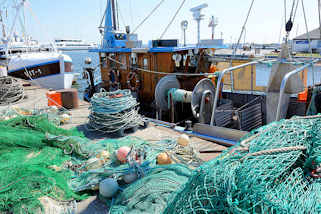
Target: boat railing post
[284,82]
[201,114]
[221,74]
[252,73]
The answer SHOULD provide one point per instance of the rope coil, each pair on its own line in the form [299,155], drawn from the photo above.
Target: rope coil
[11,91]
[113,111]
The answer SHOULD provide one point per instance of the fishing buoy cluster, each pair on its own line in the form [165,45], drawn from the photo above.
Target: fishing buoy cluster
[133,157]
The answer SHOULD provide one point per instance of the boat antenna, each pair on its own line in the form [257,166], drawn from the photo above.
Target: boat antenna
[172,20]
[198,17]
[213,23]
[184,25]
[243,28]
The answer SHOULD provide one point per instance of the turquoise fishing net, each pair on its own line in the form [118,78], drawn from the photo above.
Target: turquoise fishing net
[155,184]
[151,193]
[87,177]
[275,180]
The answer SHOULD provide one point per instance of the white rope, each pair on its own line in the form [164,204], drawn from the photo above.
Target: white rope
[172,20]
[285,12]
[296,9]
[121,16]
[102,19]
[39,23]
[149,15]
[309,40]
[243,28]
[131,12]
[319,10]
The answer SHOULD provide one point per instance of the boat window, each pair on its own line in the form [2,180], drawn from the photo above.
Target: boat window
[145,63]
[122,59]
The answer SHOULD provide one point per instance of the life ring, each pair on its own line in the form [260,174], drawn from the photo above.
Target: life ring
[130,77]
[114,79]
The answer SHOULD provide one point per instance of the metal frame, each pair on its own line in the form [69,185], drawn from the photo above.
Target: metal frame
[201,114]
[284,82]
[220,80]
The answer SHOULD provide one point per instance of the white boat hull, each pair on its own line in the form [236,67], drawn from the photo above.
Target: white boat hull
[55,81]
[49,70]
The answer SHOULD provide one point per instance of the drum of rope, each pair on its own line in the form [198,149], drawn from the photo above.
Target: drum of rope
[113,112]
[11,91]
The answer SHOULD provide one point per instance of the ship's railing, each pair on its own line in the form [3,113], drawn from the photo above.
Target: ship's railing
[282,88]
[221,75]
[285,80]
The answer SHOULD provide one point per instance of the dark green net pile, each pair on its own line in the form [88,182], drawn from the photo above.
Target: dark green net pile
[29,162]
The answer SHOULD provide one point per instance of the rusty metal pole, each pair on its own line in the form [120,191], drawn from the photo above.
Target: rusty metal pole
[172,108]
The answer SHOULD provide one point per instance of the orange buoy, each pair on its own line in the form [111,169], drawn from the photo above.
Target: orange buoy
[163,159]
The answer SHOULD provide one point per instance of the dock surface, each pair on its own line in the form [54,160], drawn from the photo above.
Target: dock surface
[35,98]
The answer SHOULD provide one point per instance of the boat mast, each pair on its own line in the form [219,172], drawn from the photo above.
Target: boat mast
[18,7]
[114,14]
[110,24]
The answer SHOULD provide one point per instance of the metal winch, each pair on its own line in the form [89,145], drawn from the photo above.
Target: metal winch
[168,91]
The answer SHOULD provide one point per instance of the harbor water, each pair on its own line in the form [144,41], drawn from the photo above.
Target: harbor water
[78,60]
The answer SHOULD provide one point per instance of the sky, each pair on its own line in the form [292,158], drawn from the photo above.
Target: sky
[79,19]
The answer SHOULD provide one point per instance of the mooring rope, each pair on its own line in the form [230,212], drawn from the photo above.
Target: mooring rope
[11,91]
[274,151]
[113,111]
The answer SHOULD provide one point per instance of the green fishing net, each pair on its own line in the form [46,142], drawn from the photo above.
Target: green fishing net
[276,169]
[39,159]
[31,164]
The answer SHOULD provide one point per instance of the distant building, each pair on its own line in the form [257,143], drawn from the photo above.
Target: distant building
[301,43]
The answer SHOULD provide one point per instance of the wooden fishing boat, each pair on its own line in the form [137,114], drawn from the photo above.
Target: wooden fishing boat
[180,83]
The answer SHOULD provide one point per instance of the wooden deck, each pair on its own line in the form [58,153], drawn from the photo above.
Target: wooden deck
[36,98]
